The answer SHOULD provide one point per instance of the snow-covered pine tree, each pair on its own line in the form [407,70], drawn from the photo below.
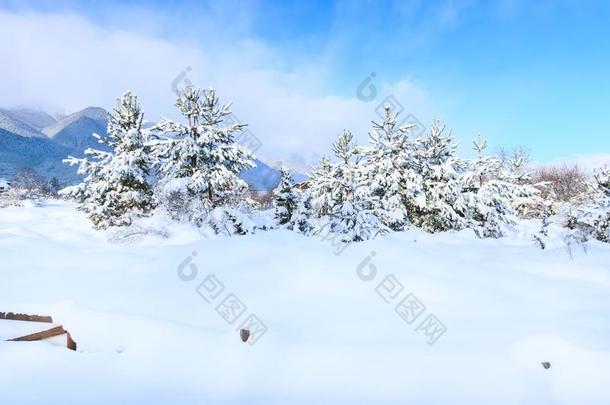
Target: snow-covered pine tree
[199,159]
[92,192]
[320,180]
[285,197]
[602,184]
[445,180]
[526,197]
[500,188]
[352,209]
[116,186]
[488,199]
[481,164]
[301,220]
[131,162]
[592,220]
[392,173]
[541,237]
[490,211]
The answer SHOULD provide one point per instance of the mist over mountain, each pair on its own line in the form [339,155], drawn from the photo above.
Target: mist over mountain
[37,119]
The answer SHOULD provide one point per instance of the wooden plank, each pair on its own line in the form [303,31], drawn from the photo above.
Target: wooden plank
[46,334]
[70,344]
[25,317]
[56,331]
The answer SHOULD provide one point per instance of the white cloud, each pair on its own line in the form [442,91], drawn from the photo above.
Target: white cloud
[62,62]
[588,162]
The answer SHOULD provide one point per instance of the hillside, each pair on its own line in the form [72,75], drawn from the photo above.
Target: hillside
[40,154]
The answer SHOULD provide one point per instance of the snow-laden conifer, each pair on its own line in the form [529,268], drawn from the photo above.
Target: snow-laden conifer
[199,158]
[392,173]
[444,181]
[116,186]
[285,198]
[592,220]
[351,214]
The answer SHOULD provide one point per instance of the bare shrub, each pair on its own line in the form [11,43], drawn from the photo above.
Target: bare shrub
[30,182]
[568,183]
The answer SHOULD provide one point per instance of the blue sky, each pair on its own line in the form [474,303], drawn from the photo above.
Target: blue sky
[533,73]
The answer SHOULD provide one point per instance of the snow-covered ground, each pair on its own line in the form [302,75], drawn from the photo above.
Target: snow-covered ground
[147,336]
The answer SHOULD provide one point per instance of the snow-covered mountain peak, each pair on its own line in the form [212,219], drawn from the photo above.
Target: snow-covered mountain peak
[11,122]
[36,118]
[90,113]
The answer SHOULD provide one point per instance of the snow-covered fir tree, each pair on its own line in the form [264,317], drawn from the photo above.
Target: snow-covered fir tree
[490,212]
[444,180]
[320,180]
[489,200]
[199,159]
[285,197]
[526,197]
[351,214]
[592,220]
[301,220]
[481,164]
[92,194]
[116,186]
[541,237]
[131,161]
[392,173]
[496,190]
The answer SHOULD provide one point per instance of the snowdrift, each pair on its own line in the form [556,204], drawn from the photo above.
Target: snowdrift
[154,325]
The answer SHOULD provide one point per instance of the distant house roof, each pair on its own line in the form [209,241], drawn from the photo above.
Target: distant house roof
[304,185]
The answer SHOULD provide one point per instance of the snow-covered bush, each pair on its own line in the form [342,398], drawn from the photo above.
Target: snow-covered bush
[136,233]
[175,199]
[12,198]
[26,185]
[202,154]
[29,184]
[179,205]
[116,186]
[229,221]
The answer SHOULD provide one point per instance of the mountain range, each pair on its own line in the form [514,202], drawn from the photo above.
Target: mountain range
[37,140]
